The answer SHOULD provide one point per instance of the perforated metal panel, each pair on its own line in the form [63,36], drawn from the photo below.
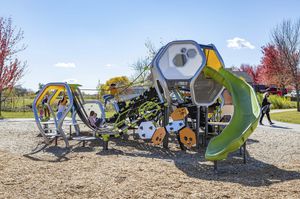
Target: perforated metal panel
[206,90]
[180,60]
[183,61]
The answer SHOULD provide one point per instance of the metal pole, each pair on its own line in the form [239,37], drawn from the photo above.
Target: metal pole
[244,155]
[206,125]
[186,121]
[216,166]
[197,128]
[165,123]
[105,145]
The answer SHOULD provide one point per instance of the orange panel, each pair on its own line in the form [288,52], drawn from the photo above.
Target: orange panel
[158,136]
[187,137]
[179,114]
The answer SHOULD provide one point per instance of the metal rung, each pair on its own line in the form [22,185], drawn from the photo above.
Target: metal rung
[53,135]
[137,120]
[84,138]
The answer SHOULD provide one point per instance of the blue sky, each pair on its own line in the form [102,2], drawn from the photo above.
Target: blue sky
[96,40]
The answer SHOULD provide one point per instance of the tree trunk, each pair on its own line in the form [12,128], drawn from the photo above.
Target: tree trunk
[0,103]
[297,95]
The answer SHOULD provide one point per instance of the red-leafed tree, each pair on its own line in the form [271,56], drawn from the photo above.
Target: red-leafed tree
[11,68]
[286,38]
[273,68]
[253,71]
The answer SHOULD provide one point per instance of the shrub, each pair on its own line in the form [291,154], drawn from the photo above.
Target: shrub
[278,102]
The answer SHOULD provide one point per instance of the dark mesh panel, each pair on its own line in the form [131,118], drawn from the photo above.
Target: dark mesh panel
[206,89]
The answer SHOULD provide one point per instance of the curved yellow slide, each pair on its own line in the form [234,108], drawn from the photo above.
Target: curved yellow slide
[245,117]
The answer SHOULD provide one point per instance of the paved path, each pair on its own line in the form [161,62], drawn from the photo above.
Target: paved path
[24,120]
[17,120]
[280,125]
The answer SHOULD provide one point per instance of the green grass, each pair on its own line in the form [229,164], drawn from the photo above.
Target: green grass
[17,114]
[287,116]
[18,102]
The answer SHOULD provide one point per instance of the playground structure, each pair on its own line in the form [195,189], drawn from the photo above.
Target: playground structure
[189,80]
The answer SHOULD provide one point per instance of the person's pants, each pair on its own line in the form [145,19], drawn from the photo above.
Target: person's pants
[98,122]
[47,112]
[58,115]
[262,116]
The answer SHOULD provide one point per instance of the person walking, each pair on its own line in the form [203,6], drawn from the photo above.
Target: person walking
[265,108]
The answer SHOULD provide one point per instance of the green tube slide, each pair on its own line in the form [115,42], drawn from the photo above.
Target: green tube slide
[245,117]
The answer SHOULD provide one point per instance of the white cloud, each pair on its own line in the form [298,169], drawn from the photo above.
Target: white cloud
[71,81]
[65,65]
[108,65]
[238,43]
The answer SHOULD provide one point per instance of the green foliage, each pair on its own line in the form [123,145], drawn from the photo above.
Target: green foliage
[278,102]
[287,116]
[17,114]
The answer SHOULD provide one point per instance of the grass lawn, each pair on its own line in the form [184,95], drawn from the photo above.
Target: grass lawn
[17,114]
[287,116]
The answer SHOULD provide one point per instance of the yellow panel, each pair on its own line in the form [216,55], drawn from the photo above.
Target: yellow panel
[46,91]
[56,94]
[212,59]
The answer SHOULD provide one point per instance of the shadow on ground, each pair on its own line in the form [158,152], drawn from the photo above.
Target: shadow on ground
[255,173]
[276,126]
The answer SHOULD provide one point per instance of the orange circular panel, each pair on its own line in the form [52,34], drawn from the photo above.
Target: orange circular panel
[187,137]
[158,136]
[179,113]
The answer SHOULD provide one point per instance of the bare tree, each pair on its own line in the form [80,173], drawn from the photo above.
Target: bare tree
[141,66]
[286,37]
[141,70]
[151,50]
[11,68]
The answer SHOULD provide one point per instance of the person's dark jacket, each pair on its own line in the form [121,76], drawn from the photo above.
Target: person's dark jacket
[265,108]
[265,102]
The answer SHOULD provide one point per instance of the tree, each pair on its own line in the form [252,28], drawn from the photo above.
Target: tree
[11,68]
[121,83]
[253,71]
[141,66]
[273,68]
[286,38]
[40,86]
[141,70]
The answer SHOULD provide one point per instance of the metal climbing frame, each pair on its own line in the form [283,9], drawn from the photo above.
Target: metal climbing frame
[54,89]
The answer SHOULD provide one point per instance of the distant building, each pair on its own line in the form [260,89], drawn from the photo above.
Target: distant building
[133,92]
[242,74]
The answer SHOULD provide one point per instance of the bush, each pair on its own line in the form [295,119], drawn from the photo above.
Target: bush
[278,102]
